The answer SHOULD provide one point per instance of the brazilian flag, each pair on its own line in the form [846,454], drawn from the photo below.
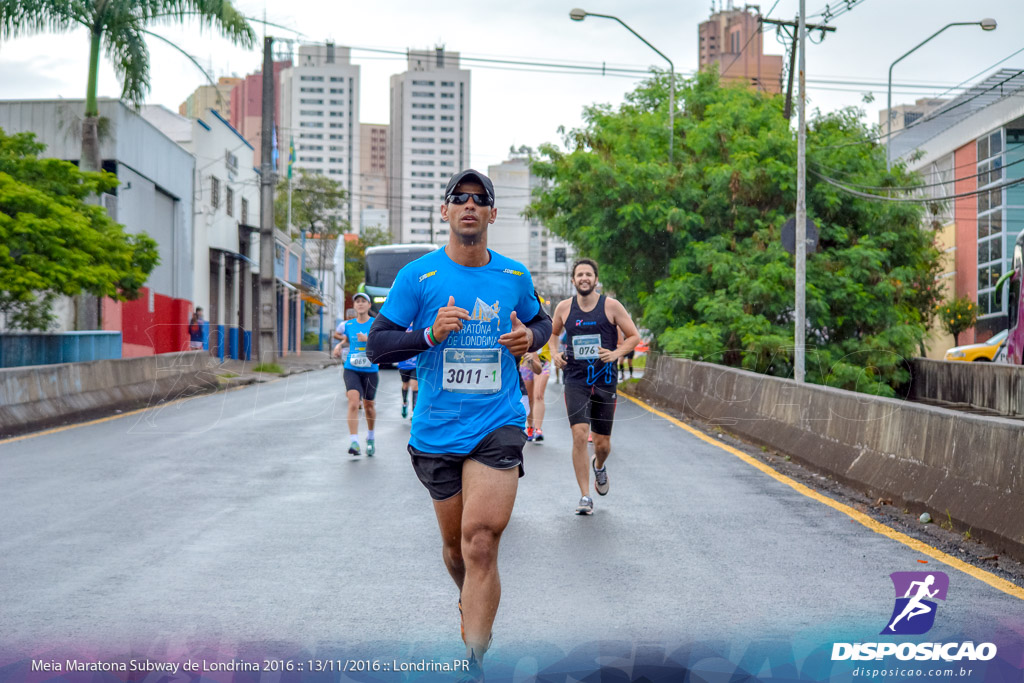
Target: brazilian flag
[291,155]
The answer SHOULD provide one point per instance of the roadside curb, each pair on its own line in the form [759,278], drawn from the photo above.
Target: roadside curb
[249,377]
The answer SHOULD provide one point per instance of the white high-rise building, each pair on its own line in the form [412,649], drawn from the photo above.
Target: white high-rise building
[547,256]
[320,116]
[428,141]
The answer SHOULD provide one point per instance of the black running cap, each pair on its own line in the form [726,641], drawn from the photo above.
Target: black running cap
[470,174]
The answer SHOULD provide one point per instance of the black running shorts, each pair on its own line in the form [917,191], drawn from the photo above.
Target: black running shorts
[407,375]
[363,382]
[441,473]
[591,404]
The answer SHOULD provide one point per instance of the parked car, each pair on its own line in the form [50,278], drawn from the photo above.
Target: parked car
[984,352]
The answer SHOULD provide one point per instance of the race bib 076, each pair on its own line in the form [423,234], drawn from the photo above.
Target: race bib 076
[586,346]
[472,371]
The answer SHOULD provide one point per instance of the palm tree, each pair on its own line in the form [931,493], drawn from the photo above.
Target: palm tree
[118,26]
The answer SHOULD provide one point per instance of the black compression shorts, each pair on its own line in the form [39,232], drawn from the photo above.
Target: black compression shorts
[363,382]
[407,375]
[591,404]
[441,473]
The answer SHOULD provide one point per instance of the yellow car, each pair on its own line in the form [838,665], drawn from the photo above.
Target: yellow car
[983,352]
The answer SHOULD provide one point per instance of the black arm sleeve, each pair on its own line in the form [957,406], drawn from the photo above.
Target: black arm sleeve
[540,325]
[390,343]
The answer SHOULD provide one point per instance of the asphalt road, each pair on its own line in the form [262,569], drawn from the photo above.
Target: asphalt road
[236,523]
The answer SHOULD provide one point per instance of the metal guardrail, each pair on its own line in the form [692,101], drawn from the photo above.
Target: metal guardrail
[19,349]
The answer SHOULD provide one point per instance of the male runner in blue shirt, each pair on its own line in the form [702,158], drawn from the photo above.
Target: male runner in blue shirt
[467,306]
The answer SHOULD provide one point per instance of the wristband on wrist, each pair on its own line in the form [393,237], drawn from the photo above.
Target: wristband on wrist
[428,334]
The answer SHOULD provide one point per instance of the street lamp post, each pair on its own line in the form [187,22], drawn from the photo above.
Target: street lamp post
[985,24]
[579,15]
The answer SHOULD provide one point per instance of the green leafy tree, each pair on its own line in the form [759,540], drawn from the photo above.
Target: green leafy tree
[118,28]
[355,256]
[958,315]
[695,247]
[317,203]
[52,242]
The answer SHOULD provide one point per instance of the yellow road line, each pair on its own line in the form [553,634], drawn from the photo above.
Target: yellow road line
[876,526]
[101,420]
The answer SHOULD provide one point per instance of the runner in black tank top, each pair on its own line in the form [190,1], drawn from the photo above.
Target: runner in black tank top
[581,327]
[589,359]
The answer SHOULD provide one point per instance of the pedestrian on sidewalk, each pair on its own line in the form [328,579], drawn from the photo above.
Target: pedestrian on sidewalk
[195,330]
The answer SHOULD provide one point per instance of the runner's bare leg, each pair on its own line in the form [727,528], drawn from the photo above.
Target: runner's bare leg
[580,457]
[488,498]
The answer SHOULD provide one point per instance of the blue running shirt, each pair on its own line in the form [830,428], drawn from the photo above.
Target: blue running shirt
[356,359]
[455,421]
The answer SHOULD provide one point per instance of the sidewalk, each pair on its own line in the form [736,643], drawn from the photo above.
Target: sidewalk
[233,373]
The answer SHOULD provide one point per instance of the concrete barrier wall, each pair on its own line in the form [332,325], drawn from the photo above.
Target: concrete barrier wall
[922,457]
[46,395]
[992,386]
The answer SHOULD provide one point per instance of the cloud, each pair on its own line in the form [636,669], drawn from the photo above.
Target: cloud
[32,79]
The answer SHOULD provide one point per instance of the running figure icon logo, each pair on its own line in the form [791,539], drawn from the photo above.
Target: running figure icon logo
[914,612]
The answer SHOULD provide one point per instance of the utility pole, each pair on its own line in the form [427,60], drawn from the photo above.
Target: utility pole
[800,284]
[266,348]
[431,223]
[788,111]
[792,53]
[801,206]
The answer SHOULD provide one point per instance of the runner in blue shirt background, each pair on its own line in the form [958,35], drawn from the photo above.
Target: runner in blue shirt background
[407,371]
[473,312]
[361,376]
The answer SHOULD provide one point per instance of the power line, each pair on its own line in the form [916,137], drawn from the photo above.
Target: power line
[991,66]
[827,14]
[951,169]
[932,115]
[913,200]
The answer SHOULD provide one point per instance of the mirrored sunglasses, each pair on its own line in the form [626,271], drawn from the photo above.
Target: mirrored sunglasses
[463,197]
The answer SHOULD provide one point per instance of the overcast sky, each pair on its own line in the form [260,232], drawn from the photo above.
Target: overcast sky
[515,107]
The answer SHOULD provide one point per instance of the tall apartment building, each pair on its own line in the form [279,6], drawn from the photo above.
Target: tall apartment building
[206,97]
[320,117]
[732,38]
[428,141]
[373,179]
[547,256]
[247,108]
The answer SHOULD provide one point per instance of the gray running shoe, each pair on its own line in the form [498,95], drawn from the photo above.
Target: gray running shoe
[586,506]
[600,477]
